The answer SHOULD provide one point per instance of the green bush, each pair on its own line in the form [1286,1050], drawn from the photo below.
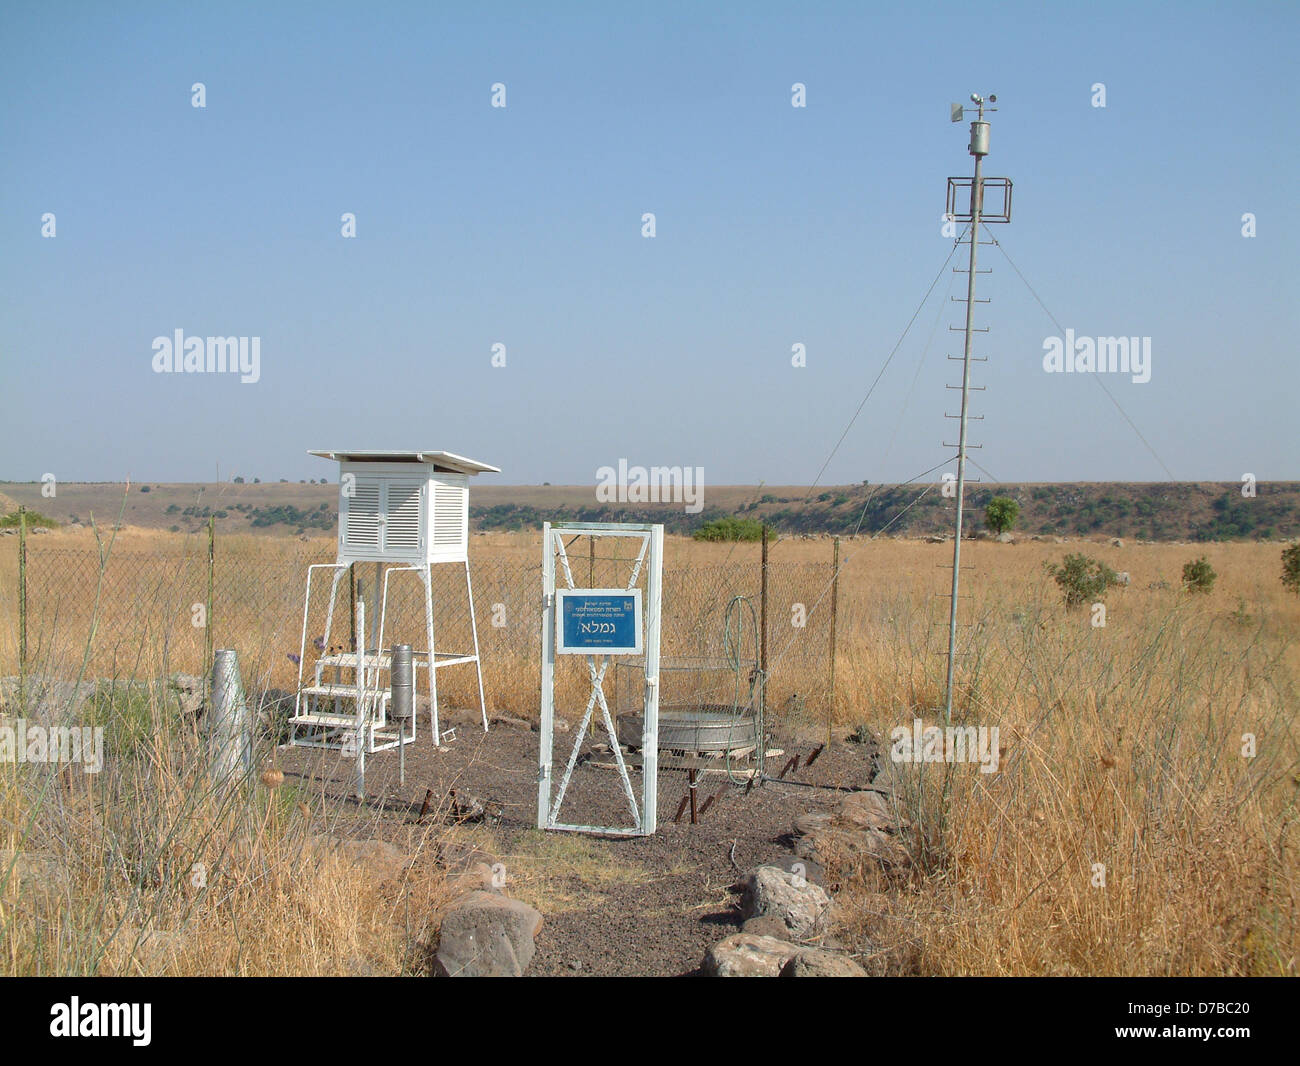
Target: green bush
[1001,514]
[1291,568]
[1082,578]
[34,519]
[730,527]
[125,711]
[1198,576]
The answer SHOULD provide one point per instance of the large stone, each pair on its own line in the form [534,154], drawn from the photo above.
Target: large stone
[800,905]
[765,925]
[813,821]
[748,955]
[871,810]
[811,962]
[487,935]
[46,700]
[190,692]
[840,846]
[856,810]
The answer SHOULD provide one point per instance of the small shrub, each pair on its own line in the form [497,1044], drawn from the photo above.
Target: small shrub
[730,527]
[1291,568]
[1198,575]
[1082,578]
[34,519]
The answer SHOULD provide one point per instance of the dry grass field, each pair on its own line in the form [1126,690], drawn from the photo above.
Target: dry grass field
[1124,833]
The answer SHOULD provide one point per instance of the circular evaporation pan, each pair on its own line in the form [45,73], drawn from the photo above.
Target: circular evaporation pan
[705,727]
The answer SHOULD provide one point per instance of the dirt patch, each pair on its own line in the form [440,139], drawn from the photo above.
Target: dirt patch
[612,906]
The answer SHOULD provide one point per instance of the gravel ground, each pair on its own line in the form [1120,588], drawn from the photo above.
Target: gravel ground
[612,906]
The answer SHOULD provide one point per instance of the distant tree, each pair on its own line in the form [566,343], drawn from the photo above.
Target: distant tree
[1291,568]
[237,481]
[1001,514]
[257,481]
[144,488]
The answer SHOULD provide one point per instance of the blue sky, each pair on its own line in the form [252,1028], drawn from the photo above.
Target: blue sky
[522,226]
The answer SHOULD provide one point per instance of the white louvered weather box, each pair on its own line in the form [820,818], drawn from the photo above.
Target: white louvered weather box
[404,507]
[401,512]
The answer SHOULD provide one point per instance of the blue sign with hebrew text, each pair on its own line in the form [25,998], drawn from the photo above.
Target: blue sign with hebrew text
[599,622]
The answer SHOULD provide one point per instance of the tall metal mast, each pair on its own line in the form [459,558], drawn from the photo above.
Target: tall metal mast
[979,147]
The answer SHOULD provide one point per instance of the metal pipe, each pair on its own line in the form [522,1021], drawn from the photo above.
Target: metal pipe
[401,680]
[376,594]
[352,607]
[978,147]
[230,748]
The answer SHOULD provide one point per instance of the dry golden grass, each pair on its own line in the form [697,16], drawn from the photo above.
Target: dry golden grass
[149,869]
[1122,746]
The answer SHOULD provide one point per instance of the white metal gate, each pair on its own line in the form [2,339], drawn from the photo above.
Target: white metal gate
[648,564]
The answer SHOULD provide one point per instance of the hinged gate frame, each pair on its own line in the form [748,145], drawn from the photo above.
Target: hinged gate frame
[651,556]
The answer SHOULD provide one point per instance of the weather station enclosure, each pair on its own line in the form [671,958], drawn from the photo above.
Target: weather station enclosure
[402,512]
[601,623]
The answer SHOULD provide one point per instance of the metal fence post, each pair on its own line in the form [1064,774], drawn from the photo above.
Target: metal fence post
[352,607]
[230,746]
[761,751]
[835,611]
[208,661]
[363,717]
[22,608]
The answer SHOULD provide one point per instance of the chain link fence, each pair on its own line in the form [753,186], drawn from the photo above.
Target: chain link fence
[138,615]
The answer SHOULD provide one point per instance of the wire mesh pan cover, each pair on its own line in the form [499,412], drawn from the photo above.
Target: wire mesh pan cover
[706,727]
